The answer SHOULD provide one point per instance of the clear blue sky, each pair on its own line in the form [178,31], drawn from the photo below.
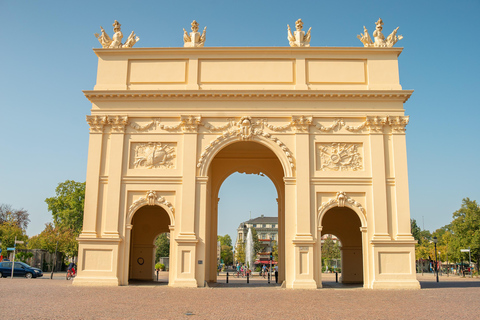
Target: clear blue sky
[47,60]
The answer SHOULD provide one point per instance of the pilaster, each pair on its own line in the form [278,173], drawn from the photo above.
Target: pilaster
[115,158]
[95,146]
[379,189]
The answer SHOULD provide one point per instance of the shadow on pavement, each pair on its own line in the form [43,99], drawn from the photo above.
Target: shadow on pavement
[449,284]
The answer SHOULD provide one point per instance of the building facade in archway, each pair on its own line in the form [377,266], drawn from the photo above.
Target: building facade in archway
[326,125]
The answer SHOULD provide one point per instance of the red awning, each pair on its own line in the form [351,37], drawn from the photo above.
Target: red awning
[265,262]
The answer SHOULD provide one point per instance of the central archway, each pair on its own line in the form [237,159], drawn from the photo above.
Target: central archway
[251,157]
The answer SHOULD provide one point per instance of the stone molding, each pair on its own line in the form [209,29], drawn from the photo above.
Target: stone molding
[129,95]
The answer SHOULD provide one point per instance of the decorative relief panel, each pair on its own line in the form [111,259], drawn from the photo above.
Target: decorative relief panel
[339,156]
[153,155]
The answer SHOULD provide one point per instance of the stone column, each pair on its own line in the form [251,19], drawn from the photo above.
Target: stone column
[115,172]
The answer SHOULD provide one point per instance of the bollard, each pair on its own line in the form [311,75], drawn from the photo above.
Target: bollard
[268,277]
[157,275]
[336,276]
[227,277]
[248,277]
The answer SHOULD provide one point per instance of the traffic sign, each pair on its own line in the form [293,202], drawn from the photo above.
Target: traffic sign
[10,249]
[464,250]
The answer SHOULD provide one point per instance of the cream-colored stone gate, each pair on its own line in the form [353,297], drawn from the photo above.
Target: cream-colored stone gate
[326,125]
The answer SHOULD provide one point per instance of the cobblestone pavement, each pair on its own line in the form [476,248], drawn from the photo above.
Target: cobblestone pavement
[43,298]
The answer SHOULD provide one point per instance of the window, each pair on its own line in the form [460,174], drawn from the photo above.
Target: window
[264,226]
[254,225]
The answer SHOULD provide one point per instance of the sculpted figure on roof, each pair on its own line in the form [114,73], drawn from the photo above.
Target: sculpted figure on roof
[116,40]
[194,39]
[380,41]
[299,38]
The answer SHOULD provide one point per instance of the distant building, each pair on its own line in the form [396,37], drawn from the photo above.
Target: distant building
[267,232]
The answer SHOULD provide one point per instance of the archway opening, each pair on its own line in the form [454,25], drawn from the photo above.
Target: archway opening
[345,224]
[251,178]
[148,223]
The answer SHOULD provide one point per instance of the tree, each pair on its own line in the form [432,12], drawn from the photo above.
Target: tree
[240,253]
[226,254]
[47,240]
[19,216]
[162,244]
[465,228]
[330,249]
[68,205]
[415,229]
[9,230]
[275,250]
[225,240]
[257,246]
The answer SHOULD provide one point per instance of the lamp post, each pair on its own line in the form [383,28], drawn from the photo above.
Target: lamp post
[436,261]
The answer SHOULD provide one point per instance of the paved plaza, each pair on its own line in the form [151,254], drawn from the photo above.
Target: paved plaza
[453,297]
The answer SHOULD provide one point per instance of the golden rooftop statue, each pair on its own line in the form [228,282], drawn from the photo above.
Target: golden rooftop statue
[194,39]
[380,41]
[116,40]
[300,39]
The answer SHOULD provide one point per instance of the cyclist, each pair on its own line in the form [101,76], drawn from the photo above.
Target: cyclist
[71,268]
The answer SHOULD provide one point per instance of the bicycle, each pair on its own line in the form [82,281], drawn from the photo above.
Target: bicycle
[71,273]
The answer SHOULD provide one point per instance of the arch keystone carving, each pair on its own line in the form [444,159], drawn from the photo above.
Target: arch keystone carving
[340,200]
[151,199]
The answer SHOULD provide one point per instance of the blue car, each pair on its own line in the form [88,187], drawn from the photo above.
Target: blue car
[20,270]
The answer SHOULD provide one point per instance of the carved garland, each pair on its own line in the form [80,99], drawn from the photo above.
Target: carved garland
[151,199]
[340,199]
[373,124]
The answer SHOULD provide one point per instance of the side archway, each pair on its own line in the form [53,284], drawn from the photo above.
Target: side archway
[345,218]
[147,217]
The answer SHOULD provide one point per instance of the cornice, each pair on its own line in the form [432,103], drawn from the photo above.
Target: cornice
[205,51]
[338,95]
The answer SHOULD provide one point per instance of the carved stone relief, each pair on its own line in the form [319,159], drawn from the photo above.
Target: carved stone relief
[340,199]
[245,129]
[151,198]
[153,155]
[340,156]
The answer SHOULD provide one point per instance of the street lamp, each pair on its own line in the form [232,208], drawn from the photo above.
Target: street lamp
[436,261]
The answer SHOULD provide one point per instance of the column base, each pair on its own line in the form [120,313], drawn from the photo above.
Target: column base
[100,282]
[183,283]
[304,284]
[401,284]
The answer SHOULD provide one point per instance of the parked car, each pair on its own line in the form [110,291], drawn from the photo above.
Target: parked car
[20,270]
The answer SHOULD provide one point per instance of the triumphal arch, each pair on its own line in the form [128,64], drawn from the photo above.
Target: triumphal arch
[325,124]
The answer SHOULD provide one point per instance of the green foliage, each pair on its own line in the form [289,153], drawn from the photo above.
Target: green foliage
[225,240]
[465,228]
[47,240]
[257,246]
[416,231]
[226,249]
[68,205]
[23,256]
[8,231]
[226,254]
[240,253]
[275,250]
[162,244]
[330,249]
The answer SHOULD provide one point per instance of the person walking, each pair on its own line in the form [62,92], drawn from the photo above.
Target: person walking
[276,274]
